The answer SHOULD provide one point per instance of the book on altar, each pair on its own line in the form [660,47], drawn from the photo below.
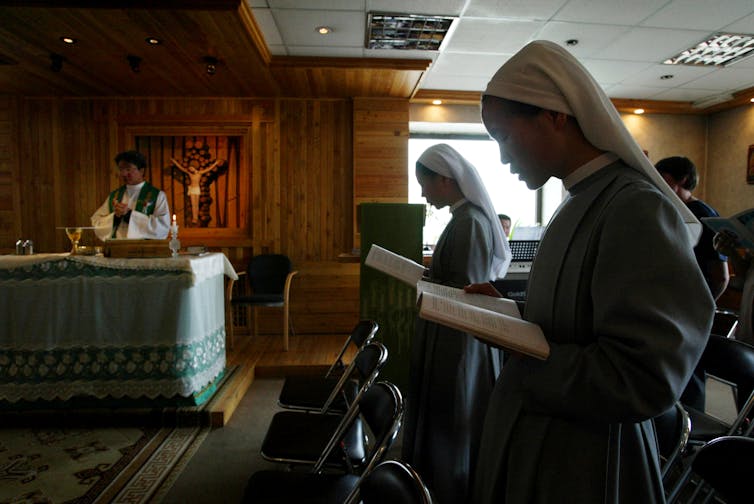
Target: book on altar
[740,225]
[395,265]
[494,320]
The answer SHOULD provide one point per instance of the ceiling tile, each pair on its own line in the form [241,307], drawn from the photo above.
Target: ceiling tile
[626,91]
[454,82]
[592,37]
[618,12]
[608,72]
[492,36]
[722,79]
[700,14]
[526,9]
[266,23]
[462,64]
[297,27]
[683,94]
[651,44]
[327,52]
[357,5]
[743,25]
[436,7]
[682,74]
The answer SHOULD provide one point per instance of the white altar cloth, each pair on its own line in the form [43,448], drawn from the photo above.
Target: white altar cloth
[101,327]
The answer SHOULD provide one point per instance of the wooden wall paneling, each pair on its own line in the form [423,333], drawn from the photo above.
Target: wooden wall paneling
[380,152]
[10,187]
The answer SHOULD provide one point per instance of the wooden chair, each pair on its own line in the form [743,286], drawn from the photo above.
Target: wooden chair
[269,276]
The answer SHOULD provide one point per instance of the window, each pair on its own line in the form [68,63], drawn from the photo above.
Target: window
[509,195]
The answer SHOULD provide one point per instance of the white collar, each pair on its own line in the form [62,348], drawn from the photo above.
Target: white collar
[588,168]
[457,204]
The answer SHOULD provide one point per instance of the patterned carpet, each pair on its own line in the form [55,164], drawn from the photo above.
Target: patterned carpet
[91,465]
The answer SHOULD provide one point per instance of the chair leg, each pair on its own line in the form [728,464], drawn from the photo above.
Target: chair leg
[254,327]
[285,327]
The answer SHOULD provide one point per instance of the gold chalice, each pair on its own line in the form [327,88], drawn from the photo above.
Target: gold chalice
[74,234]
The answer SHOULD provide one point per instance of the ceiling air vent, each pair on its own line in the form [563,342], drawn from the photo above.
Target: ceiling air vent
[721,49]
[407,31]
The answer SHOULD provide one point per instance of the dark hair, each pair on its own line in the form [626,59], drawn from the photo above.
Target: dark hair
[515,107]
[133,157]
[679,168]
[502,216]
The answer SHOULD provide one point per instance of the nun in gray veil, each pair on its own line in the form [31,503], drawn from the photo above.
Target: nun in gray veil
[452,373]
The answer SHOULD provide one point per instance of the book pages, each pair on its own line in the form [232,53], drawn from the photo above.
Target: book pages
[394,265]
[496,328]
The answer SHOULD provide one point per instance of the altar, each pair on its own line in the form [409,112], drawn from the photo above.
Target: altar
[73,326]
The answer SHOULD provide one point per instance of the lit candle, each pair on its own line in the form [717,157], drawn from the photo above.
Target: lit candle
[174,227]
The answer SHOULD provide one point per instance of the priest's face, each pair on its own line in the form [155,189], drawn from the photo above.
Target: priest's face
[130,173]
[522,139]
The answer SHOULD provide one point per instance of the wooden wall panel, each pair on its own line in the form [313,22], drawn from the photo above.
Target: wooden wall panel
[380,153]
[10,218]
[300,184]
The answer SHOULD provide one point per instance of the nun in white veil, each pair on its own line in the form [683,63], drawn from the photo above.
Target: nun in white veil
[614,288]
[452,373]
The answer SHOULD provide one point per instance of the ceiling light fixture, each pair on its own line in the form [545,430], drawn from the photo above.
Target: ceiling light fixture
[639,111]
[324,30]
[752,100]
[134,62]
[719,50]
[56,62]
[211,63]
[153,41]
[68,40]
[666,76]
[572,42]
[436,102]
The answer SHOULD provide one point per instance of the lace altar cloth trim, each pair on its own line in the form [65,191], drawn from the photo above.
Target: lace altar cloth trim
[46,266]
[143,371]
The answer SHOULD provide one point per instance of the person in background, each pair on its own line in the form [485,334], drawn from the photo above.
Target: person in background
[681,175]
[452,373]
[506,223]
[614,287]
[137,209]
[741,260]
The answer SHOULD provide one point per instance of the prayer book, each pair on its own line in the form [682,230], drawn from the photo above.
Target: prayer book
[494,320]
[740,225]
[395,265]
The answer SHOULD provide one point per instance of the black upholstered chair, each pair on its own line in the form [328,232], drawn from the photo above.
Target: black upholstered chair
[672,429]
[269,277]
[732,362]
[299,437]
[380,411]
[313,392]
[724,464]
[393,482]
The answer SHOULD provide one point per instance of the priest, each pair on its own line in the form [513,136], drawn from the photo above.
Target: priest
[136,209]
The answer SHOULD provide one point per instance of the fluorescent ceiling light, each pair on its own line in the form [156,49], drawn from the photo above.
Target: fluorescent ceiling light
[406,31]
[720,49]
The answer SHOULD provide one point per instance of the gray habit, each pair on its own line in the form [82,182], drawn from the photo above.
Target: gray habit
[452,374]
[627,313]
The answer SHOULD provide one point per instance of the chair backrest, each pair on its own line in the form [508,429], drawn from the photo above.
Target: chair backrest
[732,361]
[724,323]
[672,429]
[362,334]
[365,367]
[267,273]
[391,481]
[380,412]
[725,464]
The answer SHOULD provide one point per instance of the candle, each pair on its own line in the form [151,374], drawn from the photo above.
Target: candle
[174,226]
[174,223]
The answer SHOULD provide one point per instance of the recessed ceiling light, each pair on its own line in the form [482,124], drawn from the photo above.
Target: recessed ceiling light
[153,41]
[666,76]
[68,40]
[720,49]
[407,31]
[572,42]
[324,30]
[638,111]
[752,100]
[436,102]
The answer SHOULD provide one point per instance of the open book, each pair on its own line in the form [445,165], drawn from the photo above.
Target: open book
[395,265]
[740,225]
[495,320]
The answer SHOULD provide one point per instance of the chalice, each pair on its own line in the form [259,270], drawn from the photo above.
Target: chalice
[74,234]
